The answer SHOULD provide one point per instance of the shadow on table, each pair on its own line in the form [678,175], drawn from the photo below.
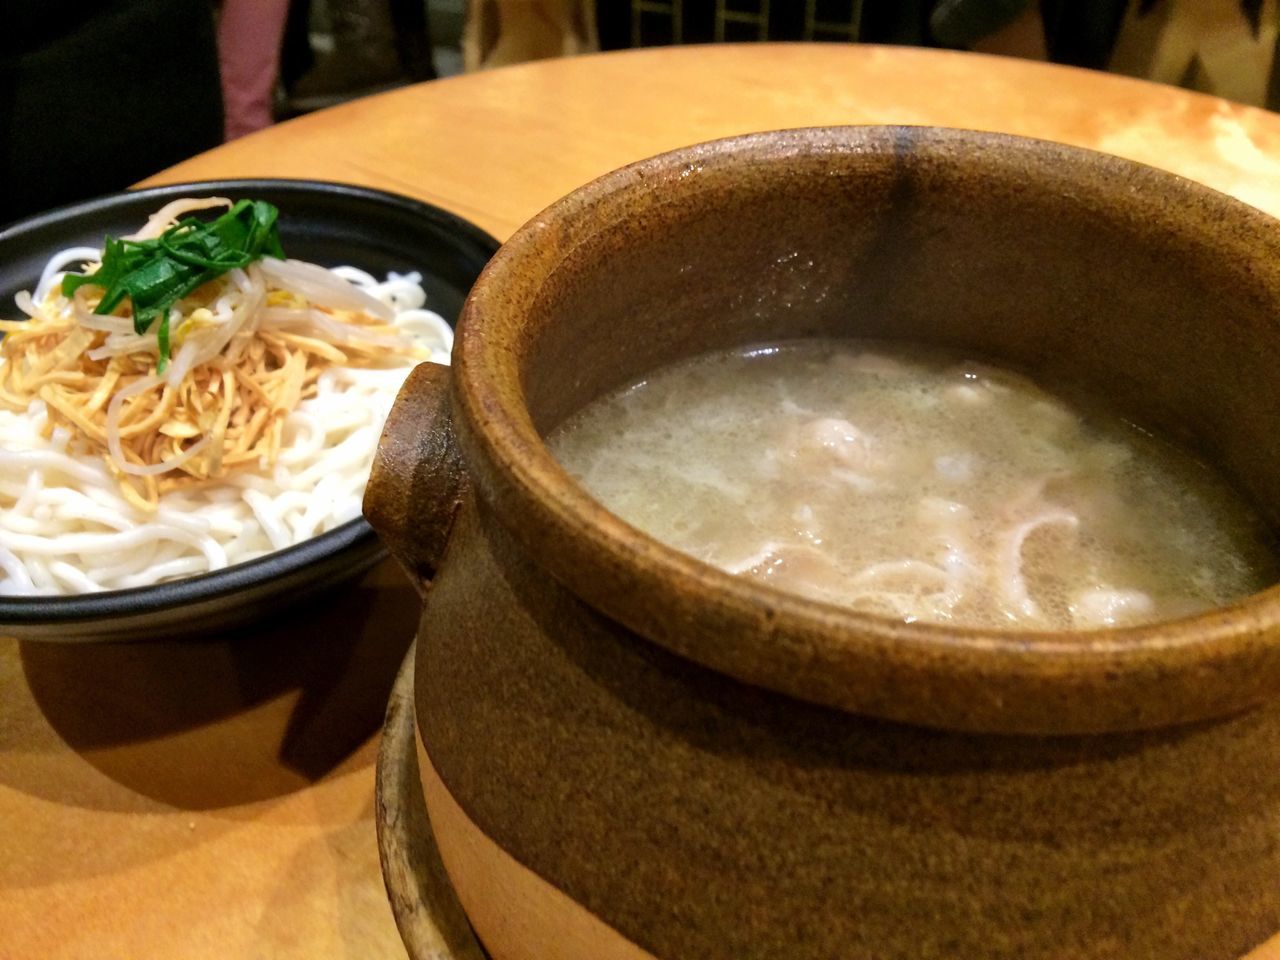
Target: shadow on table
[345,885]
[208,724]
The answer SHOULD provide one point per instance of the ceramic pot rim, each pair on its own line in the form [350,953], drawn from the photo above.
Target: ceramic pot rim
[807,648]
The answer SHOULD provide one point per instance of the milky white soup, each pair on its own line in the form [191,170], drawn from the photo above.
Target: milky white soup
[918,486]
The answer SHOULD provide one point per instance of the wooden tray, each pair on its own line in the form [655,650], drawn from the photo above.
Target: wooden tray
[427,911]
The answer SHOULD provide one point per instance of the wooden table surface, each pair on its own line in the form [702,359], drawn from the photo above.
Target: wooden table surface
[214,800]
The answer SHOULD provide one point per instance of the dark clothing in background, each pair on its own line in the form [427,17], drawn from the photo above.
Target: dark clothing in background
[97,94]
[962,23]
[1078,32]
[1082,32]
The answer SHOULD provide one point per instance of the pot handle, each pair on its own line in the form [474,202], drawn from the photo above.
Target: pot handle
[418,480]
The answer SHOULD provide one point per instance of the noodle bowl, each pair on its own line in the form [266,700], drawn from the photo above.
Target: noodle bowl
[73,520]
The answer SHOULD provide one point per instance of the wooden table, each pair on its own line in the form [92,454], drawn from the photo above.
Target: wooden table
[215,800]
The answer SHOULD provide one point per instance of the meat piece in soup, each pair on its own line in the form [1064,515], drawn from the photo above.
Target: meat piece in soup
[917,485]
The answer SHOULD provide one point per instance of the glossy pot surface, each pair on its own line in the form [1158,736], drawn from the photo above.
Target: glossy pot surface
[630,754]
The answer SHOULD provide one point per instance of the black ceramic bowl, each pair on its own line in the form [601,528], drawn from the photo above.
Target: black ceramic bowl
[325,223]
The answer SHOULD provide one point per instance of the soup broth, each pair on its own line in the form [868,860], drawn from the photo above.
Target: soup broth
[917,485]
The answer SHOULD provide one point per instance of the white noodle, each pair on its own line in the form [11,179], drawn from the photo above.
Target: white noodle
[913,589]
[355,275]
[75,581]
[1010,579]
[94,321]
[320,286]
[17,580]
[57,266]
[64,527]
[162,219]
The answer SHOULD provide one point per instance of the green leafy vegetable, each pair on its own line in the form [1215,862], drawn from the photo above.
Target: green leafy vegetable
[156,274]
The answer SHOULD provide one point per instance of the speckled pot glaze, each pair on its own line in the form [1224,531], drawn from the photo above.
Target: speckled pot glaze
[701,766]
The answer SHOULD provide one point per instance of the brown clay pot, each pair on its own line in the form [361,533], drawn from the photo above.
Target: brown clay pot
[628,754]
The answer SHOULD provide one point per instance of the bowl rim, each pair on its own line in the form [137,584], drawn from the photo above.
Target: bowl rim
[354,534]
[803,647]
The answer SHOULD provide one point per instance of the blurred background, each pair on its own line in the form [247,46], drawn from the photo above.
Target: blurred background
[97,94]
